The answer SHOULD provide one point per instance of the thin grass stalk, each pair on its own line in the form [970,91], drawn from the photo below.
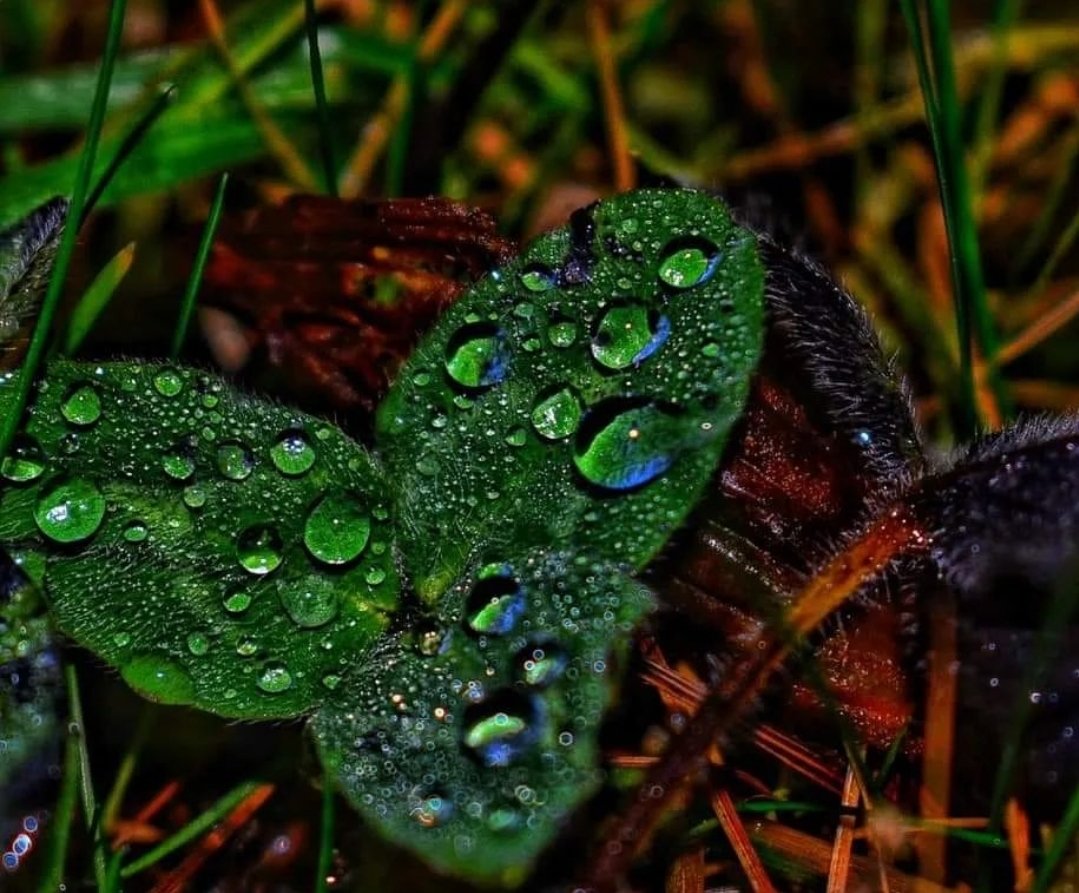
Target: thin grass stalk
[36,350]
[318,85]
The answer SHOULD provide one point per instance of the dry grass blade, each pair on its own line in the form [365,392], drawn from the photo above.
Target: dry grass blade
[614,111]
[839,868]
[744,851]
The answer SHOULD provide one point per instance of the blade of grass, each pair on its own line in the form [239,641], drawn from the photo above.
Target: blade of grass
[193,829]
[52,875]
[127,146]
[614,112]
[318,84]
[96,298]
[66,250]
[1064,837]
[187,308]
[110,812]
[86,779]
[325,838]
[112,876]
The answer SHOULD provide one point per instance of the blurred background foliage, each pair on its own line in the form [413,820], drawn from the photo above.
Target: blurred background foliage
[809,114]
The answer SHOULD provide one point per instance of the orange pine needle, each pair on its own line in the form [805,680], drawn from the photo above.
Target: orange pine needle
[614,112]
[839,868]
[744,851]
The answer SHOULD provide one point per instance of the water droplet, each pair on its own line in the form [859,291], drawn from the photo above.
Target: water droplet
[121,640]
[711,350]
[688,262]
[179,461]
[275,678]
[195,496]
[136,532]
[516,436]
[562,331]
[429,808]
[500,729]
[337,529]
[331,681]
[292,454]
[628,334]
[25,461]
[168,383]
[540,663]
[626,444]
[159,679]
[537,278]
[247,646]
[557,413]
[495,604]
[310,602]
[82,405]
[374,576]
[504,820]
[198,644]
[476,356]
[70,511]
[237,602]
[235,461]
[259,549]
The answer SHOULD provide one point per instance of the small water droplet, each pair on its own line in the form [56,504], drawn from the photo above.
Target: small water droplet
[136,532]
[688,262]
[121,640]
[627,335]
[311,602]
[168,383]
[195,496]
[235,461]
[517,436]
[374,576]
[626,444]
[557,413]
[247,646]
[539,664]
[237,601]
[82,405]
[179,460]
[501,728]
[25,461]
[274,678]
[537,278]
[259,549]
[476,356]
[331,681]
[496,603]
[292,454]
[70,511]
[337,529]
[562,331]
[198,644]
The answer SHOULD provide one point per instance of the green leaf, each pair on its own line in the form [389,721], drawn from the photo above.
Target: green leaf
[471,741]
[220,551]
[583,393]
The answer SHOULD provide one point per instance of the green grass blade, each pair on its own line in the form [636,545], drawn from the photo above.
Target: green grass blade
[318,84]
[127,146]
[86,779]
[52,875]
[1065,836]
[193,829]
[1005,15]
[187,308]
[96,298]
[64,253]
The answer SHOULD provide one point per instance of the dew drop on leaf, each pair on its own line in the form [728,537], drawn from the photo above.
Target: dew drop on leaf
[562,332]
[541,663]
[292,454]
[235,461]
[495,604]
[688,262]
[179,461]
[625,445]
[537,278]
[499,730]
[237,602]
[136,532]
[25,461]
[168,383]
[557,414]
[310,602]
[627,335]
[195,496]
[82,405]
[274,678]
[337,529]
[476,356]
[198,644]
[70,511]
[430,809]
[258,550]
[159,679]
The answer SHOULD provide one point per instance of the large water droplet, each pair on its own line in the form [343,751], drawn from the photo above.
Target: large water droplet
[82,405]
[496,603]
[502,728]
[179,460]
[537,278]
[557,413]
[688,262]
[628,334]
[235,461]
[476,356]
[259,549]
[168,383]
[337,529]
[274,678]
[195,496]
[70,511]
[25,461]
[292,454]
[237,601]
[159,679]
[198,644]
[539,664]
[310,602]
[626,444]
